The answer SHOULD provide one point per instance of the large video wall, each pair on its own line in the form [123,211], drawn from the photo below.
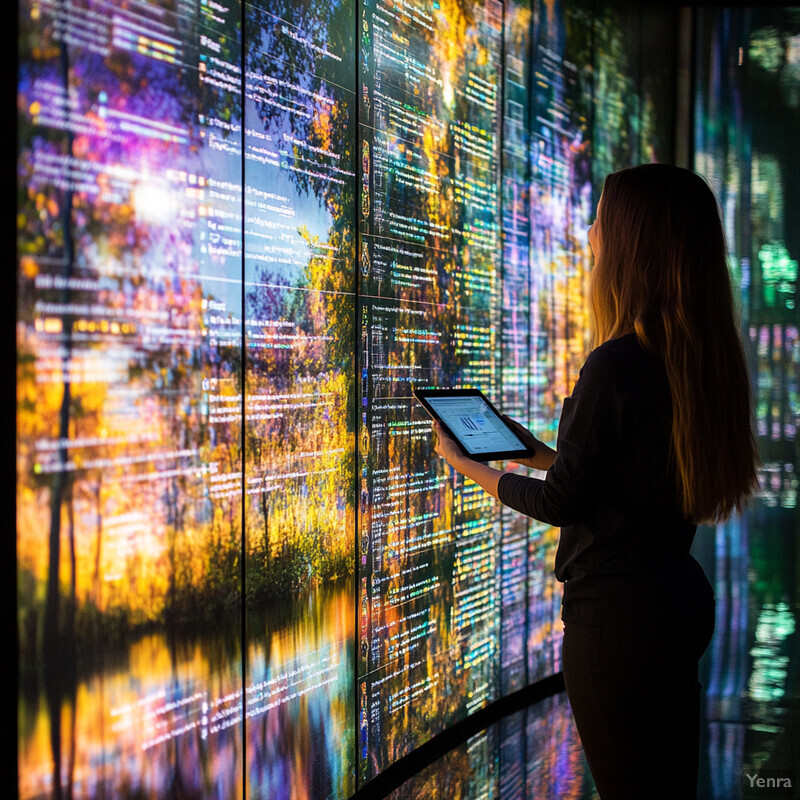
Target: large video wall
[245,232]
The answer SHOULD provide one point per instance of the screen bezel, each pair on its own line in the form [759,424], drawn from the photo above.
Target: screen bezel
[422,396]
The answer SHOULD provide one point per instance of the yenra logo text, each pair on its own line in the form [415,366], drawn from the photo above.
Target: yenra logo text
[768,783]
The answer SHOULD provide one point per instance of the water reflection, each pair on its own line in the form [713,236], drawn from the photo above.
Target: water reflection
[162,716]
[300,704]
[747,675]
[752,560]
[534,754]
[162,712]
[556,766]
[770,662]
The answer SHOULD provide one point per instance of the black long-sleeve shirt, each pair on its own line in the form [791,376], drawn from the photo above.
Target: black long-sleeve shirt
[611,487]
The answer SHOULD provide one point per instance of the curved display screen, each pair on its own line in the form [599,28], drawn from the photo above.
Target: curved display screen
[246,231]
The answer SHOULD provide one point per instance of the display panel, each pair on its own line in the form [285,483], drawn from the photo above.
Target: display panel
[429,272]
[129,386]
[299,268]
[746,114]
[473,422]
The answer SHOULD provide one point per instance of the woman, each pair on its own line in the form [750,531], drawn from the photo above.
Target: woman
[655,438]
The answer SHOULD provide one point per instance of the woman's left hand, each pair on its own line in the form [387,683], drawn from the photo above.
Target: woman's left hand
[445,446]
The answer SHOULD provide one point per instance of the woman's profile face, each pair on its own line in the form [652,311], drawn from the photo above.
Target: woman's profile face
[594,232]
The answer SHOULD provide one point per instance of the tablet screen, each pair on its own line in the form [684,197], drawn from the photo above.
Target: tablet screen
[474,422]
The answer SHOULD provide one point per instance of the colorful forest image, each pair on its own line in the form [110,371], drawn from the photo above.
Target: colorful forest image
[300,301]
[132,378]
[300,422]
[129,404]
[241,569]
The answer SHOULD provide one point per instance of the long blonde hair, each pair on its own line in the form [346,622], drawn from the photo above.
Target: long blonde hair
[662,274]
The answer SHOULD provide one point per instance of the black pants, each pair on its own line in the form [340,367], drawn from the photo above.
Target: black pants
[630,668]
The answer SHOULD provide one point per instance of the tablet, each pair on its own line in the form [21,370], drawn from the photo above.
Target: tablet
[474,423]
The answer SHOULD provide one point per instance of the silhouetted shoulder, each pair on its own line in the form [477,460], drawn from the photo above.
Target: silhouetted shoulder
[620,357]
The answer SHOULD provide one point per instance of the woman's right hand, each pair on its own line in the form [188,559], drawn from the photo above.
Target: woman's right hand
[543,455]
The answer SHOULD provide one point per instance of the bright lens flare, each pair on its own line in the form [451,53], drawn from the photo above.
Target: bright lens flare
[448,95]
[154,202]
